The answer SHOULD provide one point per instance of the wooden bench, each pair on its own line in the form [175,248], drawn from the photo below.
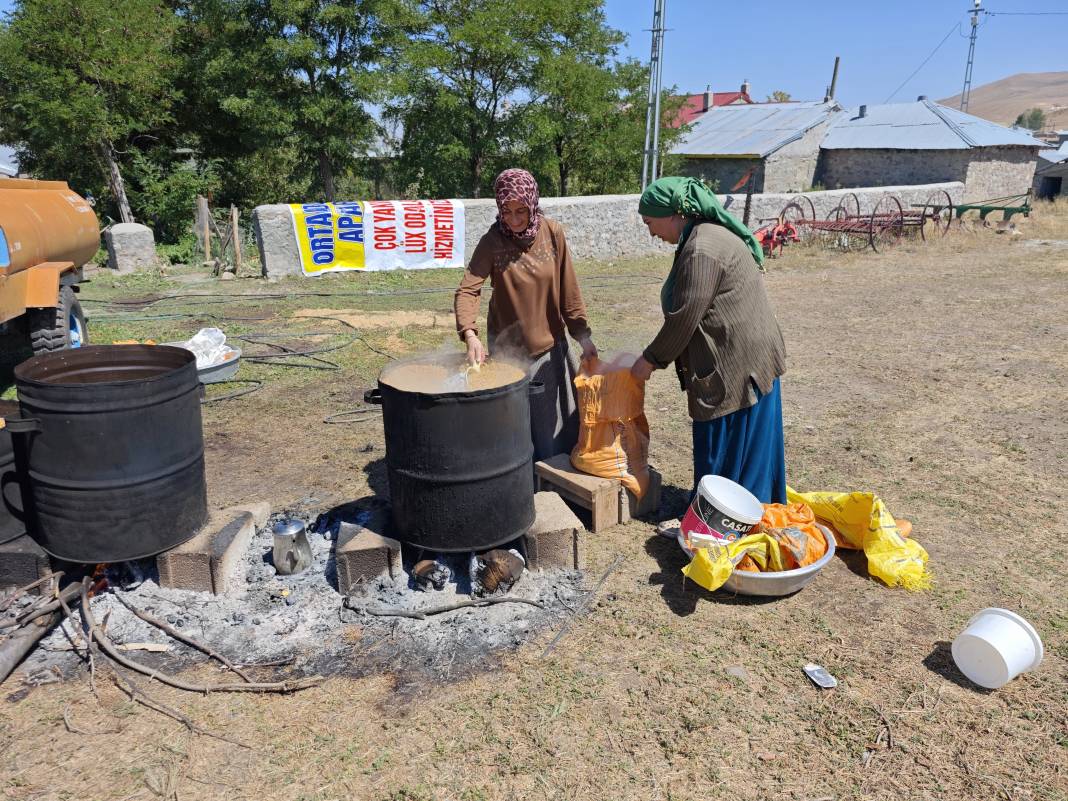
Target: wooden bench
[608,502]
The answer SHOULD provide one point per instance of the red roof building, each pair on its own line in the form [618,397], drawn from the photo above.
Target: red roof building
[698,104]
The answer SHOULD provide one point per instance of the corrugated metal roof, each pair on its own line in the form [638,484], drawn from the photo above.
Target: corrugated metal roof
[922,125]
[751,130]
[8,164]
[1055,156]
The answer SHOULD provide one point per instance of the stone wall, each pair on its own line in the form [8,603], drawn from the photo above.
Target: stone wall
[792,168]
[986,172]
[1000,171]
[598,227]
[724,173]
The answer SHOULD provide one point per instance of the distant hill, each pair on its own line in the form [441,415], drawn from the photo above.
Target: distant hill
[1003,101]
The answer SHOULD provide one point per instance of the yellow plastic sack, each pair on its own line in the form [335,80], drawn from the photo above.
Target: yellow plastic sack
[711,567]
[863,520]
[613,439]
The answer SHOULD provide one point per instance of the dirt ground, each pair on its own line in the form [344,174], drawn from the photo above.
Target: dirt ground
[934,375]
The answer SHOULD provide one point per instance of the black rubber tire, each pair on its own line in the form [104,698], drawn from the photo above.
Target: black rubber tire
[50,328]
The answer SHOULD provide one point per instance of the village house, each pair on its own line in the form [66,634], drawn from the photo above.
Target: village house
[792,147]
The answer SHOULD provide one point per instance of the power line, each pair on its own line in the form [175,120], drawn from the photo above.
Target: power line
[1026,13]
[956,27]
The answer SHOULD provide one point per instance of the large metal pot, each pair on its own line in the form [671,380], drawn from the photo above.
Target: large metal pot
[110,451]
[460,464]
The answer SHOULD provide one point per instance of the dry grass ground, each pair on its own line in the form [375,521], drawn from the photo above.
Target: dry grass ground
[934,375]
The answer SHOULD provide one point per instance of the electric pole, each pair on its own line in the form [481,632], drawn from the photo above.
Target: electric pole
[967,90]
[652,109]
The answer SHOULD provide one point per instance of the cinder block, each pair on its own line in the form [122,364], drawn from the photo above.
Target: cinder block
[206,562]
[556,540]
[22,561]
[630,506]
[363,551]
[599,495]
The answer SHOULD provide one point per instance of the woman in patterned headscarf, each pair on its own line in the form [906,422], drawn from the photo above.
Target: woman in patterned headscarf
[720,331]
[535,303]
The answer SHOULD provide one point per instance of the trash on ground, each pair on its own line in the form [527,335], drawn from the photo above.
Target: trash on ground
[861,520]
[820,677]
[997,646]
[210,348]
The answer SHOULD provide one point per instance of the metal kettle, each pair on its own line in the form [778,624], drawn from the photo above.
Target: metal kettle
[292,551]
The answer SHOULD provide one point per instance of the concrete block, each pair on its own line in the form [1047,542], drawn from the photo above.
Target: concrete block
[599,495]
[363,551]
[206,562]
[556,540]
[131,247]
[22,561]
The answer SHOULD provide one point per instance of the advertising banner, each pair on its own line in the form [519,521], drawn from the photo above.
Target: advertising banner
[379,235]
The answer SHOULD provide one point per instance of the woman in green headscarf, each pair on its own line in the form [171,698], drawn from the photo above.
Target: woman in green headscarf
[720,331]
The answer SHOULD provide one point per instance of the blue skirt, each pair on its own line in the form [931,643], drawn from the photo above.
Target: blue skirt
[745,446]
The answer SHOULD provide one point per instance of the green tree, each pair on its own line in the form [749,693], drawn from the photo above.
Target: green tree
[287,83]
[83,83]
[1033,119]
[467,72]
[778,96]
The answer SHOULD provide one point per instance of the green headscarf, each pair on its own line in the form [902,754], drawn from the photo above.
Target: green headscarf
[690,198]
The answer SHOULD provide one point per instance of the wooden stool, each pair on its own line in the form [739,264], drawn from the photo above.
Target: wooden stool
[608,501]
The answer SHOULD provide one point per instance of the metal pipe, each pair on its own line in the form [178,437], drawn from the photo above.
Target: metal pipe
[654,173]
[652,108]
[834,79]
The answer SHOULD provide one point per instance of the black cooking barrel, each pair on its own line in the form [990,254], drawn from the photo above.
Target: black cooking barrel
[461,473]
[111,454]
[10,526]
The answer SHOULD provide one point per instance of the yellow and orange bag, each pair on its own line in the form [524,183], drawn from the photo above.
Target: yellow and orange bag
[613,439]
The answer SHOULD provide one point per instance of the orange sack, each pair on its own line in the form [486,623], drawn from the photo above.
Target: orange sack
[794,527]
[613,439]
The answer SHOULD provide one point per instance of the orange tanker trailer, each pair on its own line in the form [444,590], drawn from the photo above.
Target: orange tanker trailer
[47,234]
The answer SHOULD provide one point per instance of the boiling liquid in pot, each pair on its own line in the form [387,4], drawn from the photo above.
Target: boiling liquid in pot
[450,375]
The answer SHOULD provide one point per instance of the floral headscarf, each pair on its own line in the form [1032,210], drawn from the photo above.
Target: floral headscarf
[516,184]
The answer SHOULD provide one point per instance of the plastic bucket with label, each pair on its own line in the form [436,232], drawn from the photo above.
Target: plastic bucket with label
[723,509]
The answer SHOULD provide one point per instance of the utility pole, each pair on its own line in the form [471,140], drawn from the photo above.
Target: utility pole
[966,92]
[652,108]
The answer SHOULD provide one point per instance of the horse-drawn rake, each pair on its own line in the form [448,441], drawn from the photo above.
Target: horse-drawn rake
[847,228]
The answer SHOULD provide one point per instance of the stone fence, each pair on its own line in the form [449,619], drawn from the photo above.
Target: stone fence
[598,227]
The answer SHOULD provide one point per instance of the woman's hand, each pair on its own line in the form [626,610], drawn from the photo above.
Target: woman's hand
[476,352]
[589,350]
[642,369]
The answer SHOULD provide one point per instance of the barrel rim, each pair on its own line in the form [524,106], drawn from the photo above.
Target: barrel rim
[88,352]
[504,389]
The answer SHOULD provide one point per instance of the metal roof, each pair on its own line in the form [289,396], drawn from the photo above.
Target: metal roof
[1055,156]
[8,164]
[756,130]
[922,125]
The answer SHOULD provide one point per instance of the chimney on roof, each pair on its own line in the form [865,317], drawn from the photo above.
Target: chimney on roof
[707,98]
[921,98]
[834,81]
[745,87]
[863,112]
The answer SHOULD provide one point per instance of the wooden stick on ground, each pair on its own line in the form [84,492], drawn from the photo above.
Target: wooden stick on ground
[16,594]
[582,606]
[423,614]
[68,594]
[109,649]
[185,638]
[21,642]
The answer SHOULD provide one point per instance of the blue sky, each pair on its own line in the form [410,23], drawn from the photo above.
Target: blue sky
[791,45]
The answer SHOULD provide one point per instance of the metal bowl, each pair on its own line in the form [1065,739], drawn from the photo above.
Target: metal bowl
[223,371]
[783,582]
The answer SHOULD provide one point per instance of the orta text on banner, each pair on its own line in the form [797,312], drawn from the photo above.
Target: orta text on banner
[379,235]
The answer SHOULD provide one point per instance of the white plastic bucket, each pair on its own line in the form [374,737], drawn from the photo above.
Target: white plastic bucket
[997,646]
[723,509]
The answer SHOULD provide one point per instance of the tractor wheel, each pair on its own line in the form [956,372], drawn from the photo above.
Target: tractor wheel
[60,327]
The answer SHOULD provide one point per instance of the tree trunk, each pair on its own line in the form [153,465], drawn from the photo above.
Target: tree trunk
[118,186]
[326,174]
[475,165]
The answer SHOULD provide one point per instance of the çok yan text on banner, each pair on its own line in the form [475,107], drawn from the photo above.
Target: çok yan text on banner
[379,235]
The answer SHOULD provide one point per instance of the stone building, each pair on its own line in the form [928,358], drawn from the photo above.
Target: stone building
[1051,175]
[777,143]
[922,142]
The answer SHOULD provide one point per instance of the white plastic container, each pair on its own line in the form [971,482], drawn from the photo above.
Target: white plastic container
[997,646]
[723,509]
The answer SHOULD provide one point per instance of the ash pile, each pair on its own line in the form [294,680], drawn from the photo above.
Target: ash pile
[340,597]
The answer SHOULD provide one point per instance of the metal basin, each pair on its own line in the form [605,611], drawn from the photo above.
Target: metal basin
[783,582]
